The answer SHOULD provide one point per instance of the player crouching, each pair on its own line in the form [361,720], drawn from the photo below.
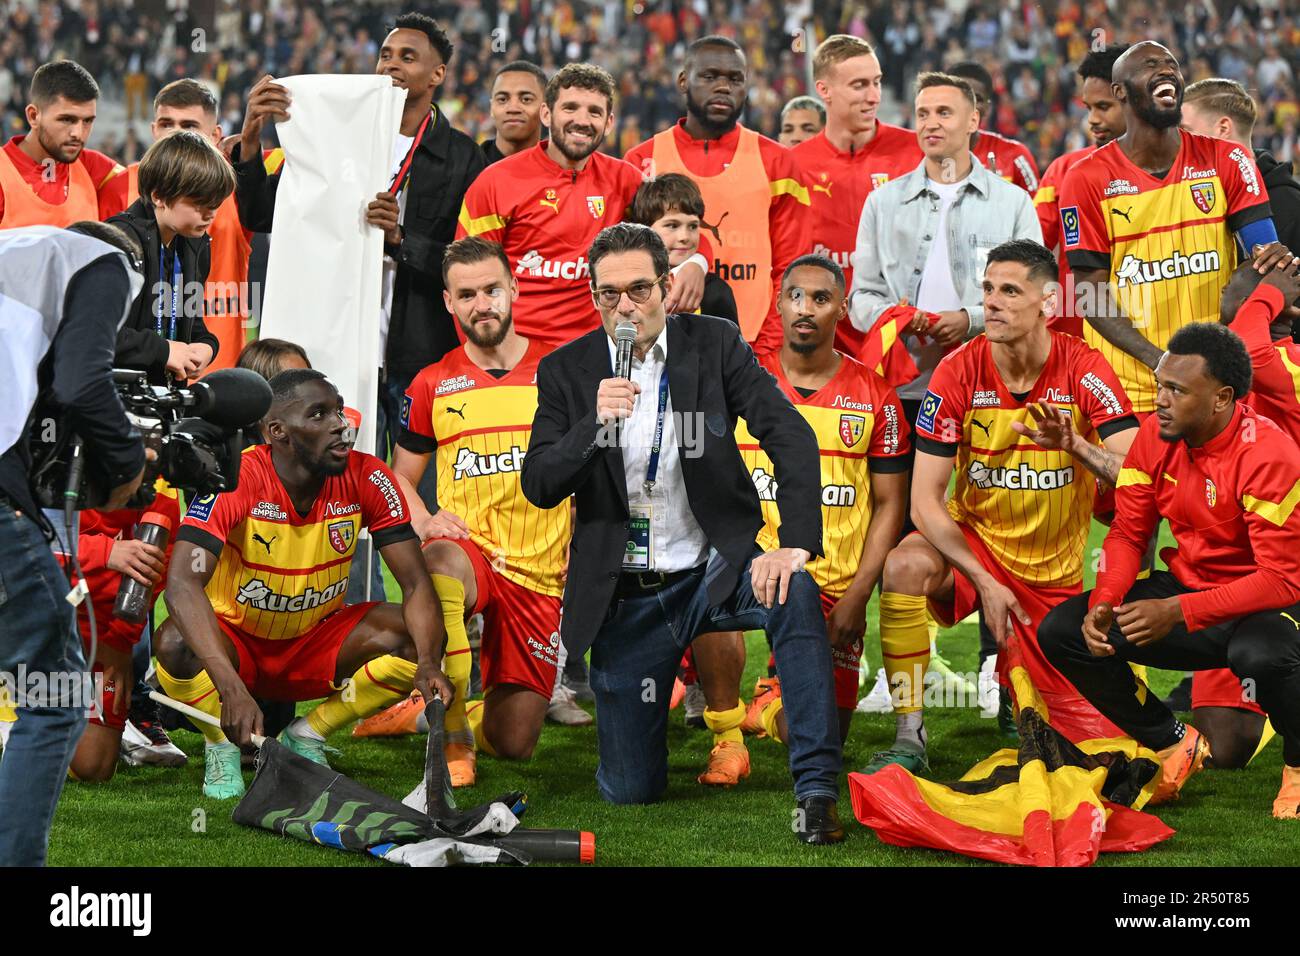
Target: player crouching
[257,584]
[1228,480]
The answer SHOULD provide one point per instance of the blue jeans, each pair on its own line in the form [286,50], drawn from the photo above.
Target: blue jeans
[634,660]
[36,629]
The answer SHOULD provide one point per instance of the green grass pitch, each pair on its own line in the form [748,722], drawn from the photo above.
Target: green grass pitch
[158,817]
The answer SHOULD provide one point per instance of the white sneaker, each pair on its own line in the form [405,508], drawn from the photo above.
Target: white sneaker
[693,705]
[150,746]
[564,708]
[988,690]
[879,700]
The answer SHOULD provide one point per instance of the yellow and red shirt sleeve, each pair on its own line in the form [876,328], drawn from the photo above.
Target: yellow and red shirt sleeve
[1084,236]
[1102,398]
[373,478]
[1253,320]
[481,212]
[1136,517]
[1047,205]
[789,227]
[890,437]
[1246,197]
[1270,493]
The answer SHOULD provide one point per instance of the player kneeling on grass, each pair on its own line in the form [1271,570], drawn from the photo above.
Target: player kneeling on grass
[1228,480]
[488,549]
[1010,539]
[257,582]
[863,437]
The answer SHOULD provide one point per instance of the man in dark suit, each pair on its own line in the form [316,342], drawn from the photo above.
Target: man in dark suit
[664,545]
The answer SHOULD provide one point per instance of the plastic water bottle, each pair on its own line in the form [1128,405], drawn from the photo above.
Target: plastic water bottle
[133,598]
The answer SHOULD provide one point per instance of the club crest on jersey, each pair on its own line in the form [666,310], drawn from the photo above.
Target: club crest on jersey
[341,534]
[596,206]
[1203,196]
[1070,225]
[851,428]
[879,179]
[1211,493]
[551,201]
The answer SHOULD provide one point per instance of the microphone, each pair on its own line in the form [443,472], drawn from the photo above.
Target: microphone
[624,339]
[231,397]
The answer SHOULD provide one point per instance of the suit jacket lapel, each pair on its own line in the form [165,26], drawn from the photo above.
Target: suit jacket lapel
[596,366]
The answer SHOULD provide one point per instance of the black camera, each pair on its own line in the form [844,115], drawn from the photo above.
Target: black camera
[196,434]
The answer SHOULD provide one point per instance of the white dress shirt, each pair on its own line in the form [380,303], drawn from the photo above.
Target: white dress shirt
[678,542]
[401,147]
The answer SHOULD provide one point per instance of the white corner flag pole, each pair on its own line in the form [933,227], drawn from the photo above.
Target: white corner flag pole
[193,713]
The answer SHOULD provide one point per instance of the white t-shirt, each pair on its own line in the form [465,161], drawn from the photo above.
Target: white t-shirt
[400,148]
[938,293]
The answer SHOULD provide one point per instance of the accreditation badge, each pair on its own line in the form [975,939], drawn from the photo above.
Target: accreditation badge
[640,538]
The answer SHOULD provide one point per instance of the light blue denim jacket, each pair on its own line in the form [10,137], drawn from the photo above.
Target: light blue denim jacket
[897,228]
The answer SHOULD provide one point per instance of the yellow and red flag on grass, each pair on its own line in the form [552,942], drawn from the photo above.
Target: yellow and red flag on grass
[1050,803]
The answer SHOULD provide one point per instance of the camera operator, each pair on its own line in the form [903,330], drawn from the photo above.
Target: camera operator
[59,336]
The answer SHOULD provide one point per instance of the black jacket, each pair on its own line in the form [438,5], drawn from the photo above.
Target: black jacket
[1284,199]
[420,330]
[138,343]
[712,373]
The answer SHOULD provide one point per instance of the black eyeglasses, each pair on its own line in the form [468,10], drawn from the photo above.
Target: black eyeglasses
[638,292]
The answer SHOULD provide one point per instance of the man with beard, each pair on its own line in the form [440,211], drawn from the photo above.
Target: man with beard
[1148,223]
[48,177]
[1226,480]
[752,187]
[1105,122]
[256,589]
[1006,157]
[853,155]
[489,550]
[517,93]
[545,205]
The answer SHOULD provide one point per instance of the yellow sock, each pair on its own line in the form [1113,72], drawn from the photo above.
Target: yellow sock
[905,646]
[725,724]
[1265,736]
[457,659]
[7,714]
[374,686]
[474,717]
[768,717]
[199,692]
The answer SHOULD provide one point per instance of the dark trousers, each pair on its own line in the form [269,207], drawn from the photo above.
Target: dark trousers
[634,659]
[1262,649]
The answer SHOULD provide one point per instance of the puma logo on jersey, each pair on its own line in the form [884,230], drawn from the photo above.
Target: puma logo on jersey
[551,201]
[1124,214]
[263,542]
[981,426]
[716,227]
[1291,619]
[458,411]
[819,188]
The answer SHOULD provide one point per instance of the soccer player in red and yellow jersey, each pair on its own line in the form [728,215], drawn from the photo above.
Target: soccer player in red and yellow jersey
[489,550]
[187,104]
[48,177]
[1105,122]
[752,187]
[853,155]
[1228,480]
[863,437]
[1147,222]
[546,204]
[1008,158]
[256,589]
[1010,539]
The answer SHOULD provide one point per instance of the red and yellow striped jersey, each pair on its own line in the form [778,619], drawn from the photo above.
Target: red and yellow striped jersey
[1168,243]
[480,426]
[280,572]
[1048,208]
[546,217]
[1008,158]
[860,428]
[1031,506]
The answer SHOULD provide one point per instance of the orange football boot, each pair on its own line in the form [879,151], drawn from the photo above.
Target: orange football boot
[1178,763]
[766,690]
[728,765]
[1287,804]
[396,721]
